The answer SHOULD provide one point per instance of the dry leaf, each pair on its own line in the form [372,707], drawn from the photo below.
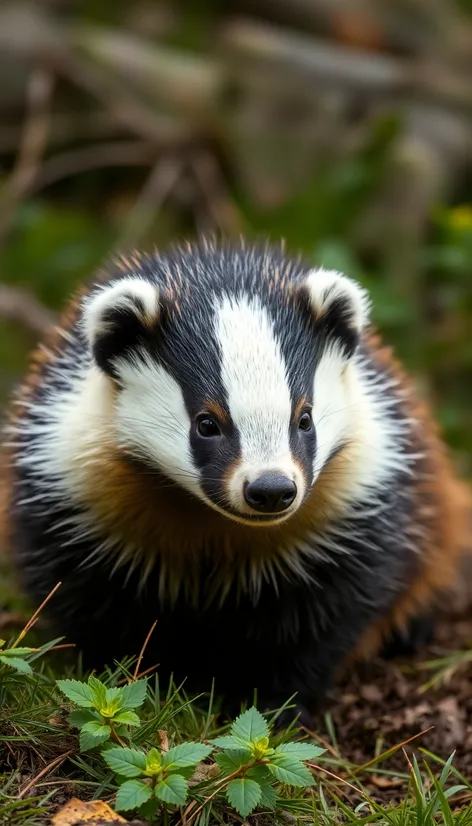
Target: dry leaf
[94,813]
[371,692]
[386,782]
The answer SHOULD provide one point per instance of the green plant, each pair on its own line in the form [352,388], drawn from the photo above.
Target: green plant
[104,712]
[15,657]
[155,776]
[255,765]
[250,767]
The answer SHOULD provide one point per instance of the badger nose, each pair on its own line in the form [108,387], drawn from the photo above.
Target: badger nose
[270,493]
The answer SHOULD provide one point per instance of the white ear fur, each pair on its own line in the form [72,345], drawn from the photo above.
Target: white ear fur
[133,295]
[325,287]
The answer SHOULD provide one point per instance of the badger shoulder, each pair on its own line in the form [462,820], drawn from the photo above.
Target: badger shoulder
[441,505]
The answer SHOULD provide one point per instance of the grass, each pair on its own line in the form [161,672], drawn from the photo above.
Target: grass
[41,766]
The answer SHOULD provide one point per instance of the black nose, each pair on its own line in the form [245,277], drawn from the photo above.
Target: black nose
[270,493]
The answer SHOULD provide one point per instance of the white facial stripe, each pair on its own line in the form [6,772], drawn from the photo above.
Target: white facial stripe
[255,379]
[153,422]
[331,403]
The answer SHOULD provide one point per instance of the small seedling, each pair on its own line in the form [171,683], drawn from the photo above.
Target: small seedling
[155,776]
[105,713]
[257,766]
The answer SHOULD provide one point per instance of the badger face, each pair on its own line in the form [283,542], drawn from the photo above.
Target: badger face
[231,381]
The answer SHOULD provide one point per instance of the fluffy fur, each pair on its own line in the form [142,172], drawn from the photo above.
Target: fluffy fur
[114,490]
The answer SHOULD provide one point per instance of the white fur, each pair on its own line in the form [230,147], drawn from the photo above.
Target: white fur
[255,378]
[151,420]
[77,424]
[325,286]
[118,296]
[349,409]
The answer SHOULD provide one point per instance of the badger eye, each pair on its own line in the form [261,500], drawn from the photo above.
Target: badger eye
[207,427]
[305,421]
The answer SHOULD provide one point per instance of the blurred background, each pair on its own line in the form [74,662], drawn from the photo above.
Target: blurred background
[344,126]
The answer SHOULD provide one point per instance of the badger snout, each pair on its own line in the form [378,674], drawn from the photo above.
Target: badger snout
[271,492]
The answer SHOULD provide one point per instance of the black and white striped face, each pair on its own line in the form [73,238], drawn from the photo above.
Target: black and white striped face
[232,373]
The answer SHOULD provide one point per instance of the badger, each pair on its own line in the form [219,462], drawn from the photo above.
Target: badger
[215,437]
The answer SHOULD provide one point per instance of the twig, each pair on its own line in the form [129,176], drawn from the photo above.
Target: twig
[65,127]
[336,777]
[391,750]
[141,654]
[322,740]
[163,177]
[35,616]
[222,210]
[19,305]
[32,145]
[52,765]
[75,161]
[125,107]
[140,674]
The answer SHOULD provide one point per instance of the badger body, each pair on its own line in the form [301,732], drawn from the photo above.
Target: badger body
[216,439]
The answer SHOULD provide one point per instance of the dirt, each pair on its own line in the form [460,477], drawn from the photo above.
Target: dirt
[385,703]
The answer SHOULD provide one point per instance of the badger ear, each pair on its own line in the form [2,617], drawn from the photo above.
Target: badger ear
[340,306]
[118,317]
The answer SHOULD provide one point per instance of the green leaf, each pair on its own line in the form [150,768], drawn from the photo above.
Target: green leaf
[230,761]
[243,795]
[80,717]
[172,790]
[268,797]
[250,726]
[187,754]
[99,690]
[148,810]
[16,652]
[134,694]
[300,751]
[291,771]
[125,762]
[231,743]
[18,664]
[93,734]
[127,718]
[80,693]
[112,695]
[132,795]
[259,773]
[94,727]
[153,762]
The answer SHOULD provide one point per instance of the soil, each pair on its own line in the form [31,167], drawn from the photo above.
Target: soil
[381,705]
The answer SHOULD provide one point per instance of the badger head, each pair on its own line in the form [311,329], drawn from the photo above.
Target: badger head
[232,371]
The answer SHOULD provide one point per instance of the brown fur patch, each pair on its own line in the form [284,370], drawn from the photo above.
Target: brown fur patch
[216,410]
[300,408]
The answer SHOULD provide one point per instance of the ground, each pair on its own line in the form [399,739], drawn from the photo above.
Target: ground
[371,714]
[385,704]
